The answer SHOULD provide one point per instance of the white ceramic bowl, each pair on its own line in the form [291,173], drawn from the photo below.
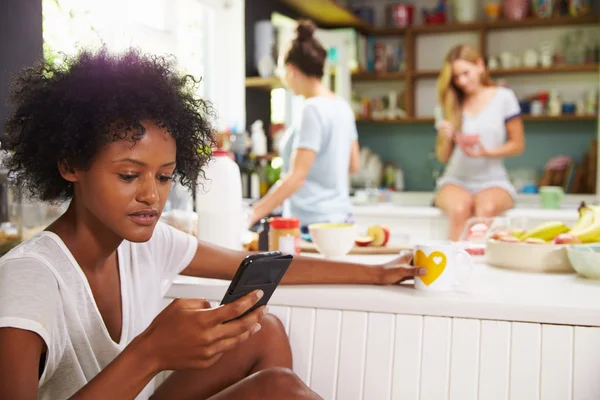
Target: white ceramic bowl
[528,257]
[585,259]
[333,240]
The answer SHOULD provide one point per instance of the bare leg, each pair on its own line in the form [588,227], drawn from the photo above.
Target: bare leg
[269,348]
[492,202]
[458,203]
[270,384]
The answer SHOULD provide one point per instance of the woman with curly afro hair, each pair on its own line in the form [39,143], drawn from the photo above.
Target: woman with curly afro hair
[81,303]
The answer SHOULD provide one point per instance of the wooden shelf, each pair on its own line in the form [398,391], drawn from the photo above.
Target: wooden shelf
[430,120]
[375,76]
[541,22]
[263,83]
[555,69]
[327,13]
[500,24]
[447,27]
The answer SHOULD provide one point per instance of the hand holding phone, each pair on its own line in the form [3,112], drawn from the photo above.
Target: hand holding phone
[189,334]
[262,271]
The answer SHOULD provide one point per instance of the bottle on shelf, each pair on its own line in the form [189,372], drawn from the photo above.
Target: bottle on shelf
[259,139]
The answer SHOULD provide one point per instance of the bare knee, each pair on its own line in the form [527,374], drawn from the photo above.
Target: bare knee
[282,383]
[487,209]
[272,324]
[461,211]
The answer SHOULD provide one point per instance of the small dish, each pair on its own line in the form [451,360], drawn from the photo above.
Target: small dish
[585,259]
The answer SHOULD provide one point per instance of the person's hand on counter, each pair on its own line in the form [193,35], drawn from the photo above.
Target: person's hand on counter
[400,269]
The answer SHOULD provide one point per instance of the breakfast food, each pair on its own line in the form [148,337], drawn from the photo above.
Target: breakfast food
[566,238]
[363,241]
[380,235]
[546,231]
[533,240]
[585,230]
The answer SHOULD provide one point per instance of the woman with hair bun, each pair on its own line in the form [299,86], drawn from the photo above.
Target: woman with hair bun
[481,126]
[320,153]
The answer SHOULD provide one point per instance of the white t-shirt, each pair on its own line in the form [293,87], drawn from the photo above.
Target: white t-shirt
[43,290]
[490,124]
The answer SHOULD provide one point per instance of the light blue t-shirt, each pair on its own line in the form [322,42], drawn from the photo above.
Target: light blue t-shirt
[327,127]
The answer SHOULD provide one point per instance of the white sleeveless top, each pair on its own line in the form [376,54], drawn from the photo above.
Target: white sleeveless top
[43,290]
[490,124]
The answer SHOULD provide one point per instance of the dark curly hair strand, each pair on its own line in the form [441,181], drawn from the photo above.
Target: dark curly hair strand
[67,112]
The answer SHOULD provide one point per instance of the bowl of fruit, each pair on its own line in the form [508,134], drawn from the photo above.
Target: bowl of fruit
[544,247]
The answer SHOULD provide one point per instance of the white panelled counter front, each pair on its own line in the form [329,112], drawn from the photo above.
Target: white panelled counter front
[507,335]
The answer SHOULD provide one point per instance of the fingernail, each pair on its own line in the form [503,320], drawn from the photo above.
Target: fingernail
[256,328]
[265,310]
[260,294]
[422,271]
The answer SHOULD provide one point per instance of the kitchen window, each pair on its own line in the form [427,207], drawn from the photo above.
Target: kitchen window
[196,32]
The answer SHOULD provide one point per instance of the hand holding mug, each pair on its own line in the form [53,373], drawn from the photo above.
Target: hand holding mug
[444,263]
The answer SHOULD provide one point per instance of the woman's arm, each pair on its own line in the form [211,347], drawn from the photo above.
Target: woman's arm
[354,157]
[20,353]
[302,161]
[445,141]
[515,143]
[216,262]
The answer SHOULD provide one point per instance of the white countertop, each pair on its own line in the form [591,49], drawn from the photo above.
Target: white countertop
[393,210]
[492,293]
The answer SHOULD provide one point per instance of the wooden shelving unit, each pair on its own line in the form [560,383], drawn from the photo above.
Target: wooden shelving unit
[327,13]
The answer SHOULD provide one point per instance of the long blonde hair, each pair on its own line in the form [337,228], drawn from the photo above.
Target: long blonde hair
[449,96]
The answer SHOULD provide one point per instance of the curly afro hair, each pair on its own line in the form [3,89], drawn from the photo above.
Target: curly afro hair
[67,112]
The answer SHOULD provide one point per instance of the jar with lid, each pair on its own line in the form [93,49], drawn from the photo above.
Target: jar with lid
[284,235]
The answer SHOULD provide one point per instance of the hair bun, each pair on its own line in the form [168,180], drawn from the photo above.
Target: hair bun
[305,29]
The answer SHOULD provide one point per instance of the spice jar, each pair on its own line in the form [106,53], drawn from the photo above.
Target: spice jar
[284,235]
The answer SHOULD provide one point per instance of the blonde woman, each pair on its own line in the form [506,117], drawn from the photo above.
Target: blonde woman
[481,126]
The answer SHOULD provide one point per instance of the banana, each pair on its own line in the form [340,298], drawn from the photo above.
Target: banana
[586,218]
[588,231]
[546,231]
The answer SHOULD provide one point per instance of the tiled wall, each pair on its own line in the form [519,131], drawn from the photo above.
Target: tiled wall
[410,146]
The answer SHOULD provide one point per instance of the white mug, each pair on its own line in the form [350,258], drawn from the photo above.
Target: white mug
[442,261]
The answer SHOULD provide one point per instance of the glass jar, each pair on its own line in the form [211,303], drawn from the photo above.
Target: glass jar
[284,235]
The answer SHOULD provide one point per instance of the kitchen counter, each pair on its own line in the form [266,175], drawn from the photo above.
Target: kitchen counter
[492,293]
[506,335]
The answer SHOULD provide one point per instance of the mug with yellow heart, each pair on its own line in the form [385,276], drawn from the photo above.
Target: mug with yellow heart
[442,261]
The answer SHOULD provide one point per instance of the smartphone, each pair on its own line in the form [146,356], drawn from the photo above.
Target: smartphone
[261,271]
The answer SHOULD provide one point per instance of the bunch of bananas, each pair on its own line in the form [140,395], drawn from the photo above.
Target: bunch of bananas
[585,230]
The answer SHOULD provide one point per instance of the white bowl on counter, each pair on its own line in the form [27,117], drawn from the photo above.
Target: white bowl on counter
[333,240]
[585,259]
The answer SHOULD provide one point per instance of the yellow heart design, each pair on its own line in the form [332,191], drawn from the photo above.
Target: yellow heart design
[435,264]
